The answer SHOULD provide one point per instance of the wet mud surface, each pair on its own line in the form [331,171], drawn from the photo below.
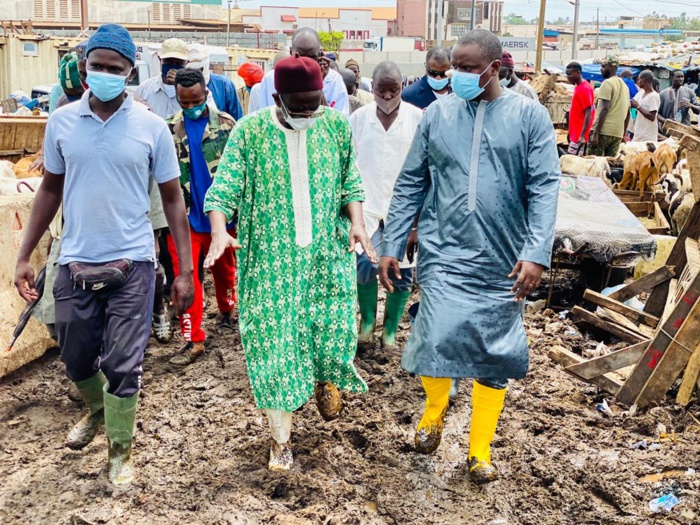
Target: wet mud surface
[201,450]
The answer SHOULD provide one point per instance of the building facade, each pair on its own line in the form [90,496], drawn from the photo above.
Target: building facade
[420,18]
[355,24]
[115,11]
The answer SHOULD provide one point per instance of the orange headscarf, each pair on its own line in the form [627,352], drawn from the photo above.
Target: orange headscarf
[250,73]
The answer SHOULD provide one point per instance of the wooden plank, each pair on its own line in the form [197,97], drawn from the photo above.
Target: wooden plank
[639,376]
[657,299]
[673,361]
[694,169]
[643,284]
[690,378]
[670,300]
[633,196]
[609,363]
[660,218]
[621,308]
[566,358]
[618,331]
[639,209]
[678,130]
[645,331]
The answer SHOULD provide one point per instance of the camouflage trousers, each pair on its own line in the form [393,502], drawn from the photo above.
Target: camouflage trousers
[607,146]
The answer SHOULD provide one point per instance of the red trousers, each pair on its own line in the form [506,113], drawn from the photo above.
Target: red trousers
[224,274]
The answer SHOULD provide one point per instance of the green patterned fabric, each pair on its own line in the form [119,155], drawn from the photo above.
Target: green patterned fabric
[213,143]
[297,302]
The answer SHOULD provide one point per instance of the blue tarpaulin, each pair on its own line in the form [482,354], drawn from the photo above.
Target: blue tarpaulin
[592,71]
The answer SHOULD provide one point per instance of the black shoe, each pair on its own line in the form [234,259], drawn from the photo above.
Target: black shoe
[224,323]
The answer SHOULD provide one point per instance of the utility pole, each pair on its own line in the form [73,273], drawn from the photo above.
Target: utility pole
[84,17]
[574,48]
[472,16]
[540,36]
[228,24]
[597,30]
[440,26]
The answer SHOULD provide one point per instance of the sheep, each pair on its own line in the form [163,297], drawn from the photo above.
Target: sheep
[641,172]
[665,158]
[679,210]
[586,166]
[627,148]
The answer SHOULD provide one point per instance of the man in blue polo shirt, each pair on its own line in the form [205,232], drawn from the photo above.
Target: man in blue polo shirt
[106,277]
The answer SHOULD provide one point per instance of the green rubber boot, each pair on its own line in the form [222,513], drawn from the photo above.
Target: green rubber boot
[395,305]
[82,434]
[367,297]
[120,414]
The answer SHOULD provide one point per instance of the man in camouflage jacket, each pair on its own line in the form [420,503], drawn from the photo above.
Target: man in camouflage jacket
[200,133]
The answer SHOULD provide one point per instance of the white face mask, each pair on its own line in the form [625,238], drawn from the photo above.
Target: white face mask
[300,124]
[297,124]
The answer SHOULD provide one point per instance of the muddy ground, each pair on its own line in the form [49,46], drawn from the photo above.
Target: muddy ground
[201,450]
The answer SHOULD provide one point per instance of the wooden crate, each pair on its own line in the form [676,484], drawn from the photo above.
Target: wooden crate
[649,214]
[21,136]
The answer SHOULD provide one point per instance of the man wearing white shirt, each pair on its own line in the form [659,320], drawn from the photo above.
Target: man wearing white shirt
[306,43]
[382,134]
[159,91]
[647,103]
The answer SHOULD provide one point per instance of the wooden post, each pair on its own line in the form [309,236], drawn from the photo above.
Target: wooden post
[540,36]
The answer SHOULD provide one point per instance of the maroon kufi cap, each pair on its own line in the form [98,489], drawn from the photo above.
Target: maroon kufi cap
[507,60]
[297,75]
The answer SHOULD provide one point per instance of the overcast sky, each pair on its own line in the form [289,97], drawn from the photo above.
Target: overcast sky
[609,9]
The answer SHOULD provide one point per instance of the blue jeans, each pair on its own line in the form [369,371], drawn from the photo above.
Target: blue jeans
[368,272]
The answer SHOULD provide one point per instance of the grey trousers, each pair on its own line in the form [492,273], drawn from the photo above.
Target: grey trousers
[105,330]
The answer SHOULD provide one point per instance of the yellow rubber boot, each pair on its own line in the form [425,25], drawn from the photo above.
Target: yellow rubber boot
[487,404]
[429,431]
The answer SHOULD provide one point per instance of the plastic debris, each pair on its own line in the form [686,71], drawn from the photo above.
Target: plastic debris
[563,314]
[640,445]
[664,504]
[605,408]
[655,446]
[690,472]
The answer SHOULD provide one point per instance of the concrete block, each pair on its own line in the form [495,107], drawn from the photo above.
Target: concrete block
[35,339]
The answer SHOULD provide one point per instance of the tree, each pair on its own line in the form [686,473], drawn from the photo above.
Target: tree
[560,21]
[331,41]
[514,20]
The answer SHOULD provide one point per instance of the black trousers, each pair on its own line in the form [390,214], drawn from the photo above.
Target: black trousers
[105,330]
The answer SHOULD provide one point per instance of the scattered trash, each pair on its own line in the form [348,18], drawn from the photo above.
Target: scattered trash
[633,410]
[640,445]
[605,408]
[633,302]
[600,350]
[571,332]
[660,476]
[655,446]
[535,306]
[563,314]
[664,504]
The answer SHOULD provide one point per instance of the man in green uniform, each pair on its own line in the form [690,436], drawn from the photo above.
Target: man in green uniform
[289,171]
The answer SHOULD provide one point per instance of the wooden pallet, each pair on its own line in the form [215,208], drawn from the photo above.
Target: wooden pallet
[672,311]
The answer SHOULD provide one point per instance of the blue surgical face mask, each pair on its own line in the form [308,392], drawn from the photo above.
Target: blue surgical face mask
[437,85]
[195,112]
[466,85]
[105,86]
